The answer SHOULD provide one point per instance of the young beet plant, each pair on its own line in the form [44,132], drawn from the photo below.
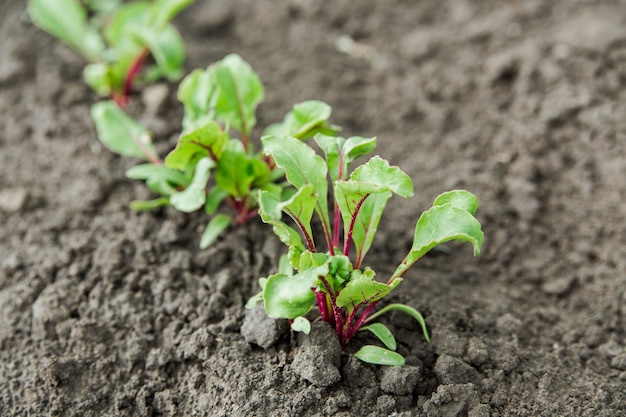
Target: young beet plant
[345,292]
[117,39]
[214,161]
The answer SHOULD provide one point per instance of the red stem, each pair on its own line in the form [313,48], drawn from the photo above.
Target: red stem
[322,304]
[352,330]
[336,212]
[348,239]
[133,71]
[335,309]
[309,240]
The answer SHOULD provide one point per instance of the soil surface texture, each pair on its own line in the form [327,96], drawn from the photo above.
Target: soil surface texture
[109,312]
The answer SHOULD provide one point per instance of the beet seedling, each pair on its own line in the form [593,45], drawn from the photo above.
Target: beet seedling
[116,39]
[214,161]
[345,292]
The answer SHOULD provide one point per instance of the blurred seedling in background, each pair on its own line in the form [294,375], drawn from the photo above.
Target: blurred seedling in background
[214,162]
[125,44]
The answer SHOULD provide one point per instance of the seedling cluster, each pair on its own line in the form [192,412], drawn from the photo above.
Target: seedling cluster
[117,39]
[214,163]
[345,292]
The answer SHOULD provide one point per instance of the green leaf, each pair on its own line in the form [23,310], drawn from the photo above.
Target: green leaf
[310,260]
[159,178]
[366,224]
[363,199]
[165,45]
[290,237]
[165,10]
[299,207]
[370,201]
[215,227]
[363,289]
[130,15]
[302,167]
[120,133]
[98,77]
[379,356]
[237,172]
[207,140]
[145,171]
[458,198]
[383,334]
[284,267]
[341,152]
[240,92]
[300,324]
[198,92]
[67,20]
[144,205]
[440,224]
[377,171]
[194,196]
[407,310]
[102,6]
[303,121]
[292,296]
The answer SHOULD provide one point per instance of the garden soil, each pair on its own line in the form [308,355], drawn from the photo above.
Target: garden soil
[109,312]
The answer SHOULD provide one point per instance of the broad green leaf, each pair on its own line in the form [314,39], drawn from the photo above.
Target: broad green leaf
[302,167]
[130,15]
[458,198]
[361,206]
[240,92]
[299,207]
[377,171]
[366,224]
[363,289]
[407,310]
[98,77]
[67,20]
[120,133]
[303,121]
[300,324]
[144,205]
[159,178]
[145,171]
[383,334]
[379,356]
[284,267]
[362,200]
[207,140]
[441,224]
[237,172]
[166,46]
[341,152]
[289,236]
[193,197]
[291,296]
[165,10]
[197,91]
[102,6]
[215,227]
[310,260]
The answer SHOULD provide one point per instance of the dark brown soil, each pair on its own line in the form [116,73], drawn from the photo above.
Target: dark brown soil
[107,312]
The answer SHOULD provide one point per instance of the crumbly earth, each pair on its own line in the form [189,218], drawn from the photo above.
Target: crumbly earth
[107,312]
